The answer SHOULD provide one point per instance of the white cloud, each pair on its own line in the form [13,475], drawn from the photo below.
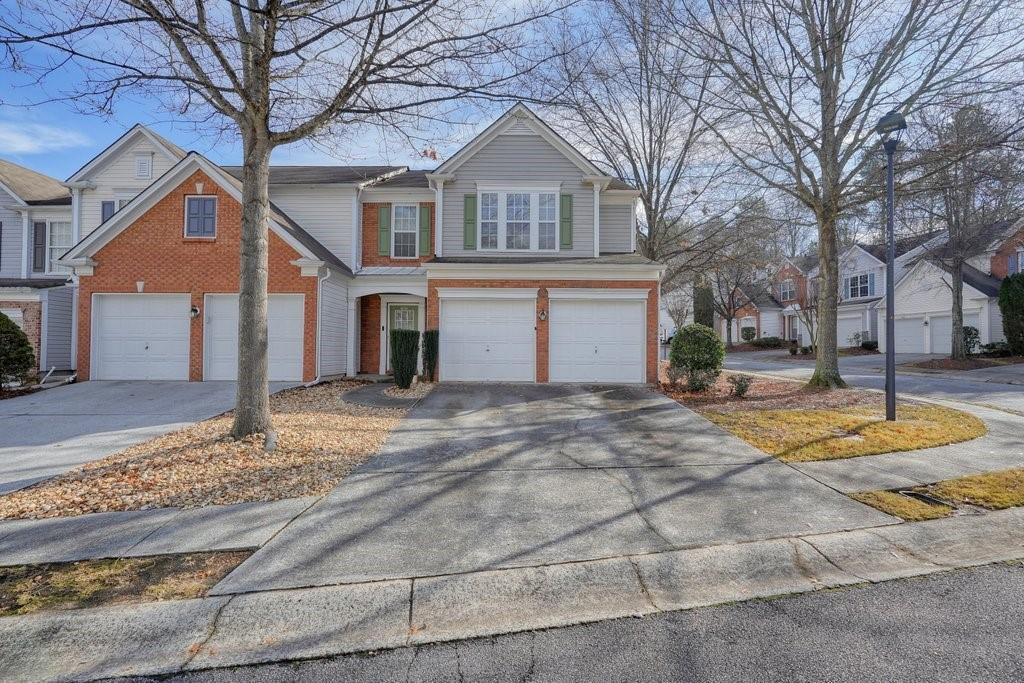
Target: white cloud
[36,138]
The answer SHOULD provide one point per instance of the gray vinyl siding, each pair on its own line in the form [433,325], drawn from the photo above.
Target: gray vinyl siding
[616,222]
[518,159]
[324,211]
[333,326]
[58,328]
[10,240]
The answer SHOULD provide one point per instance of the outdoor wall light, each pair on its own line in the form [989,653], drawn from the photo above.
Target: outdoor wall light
[194,312]
[926,323]
[542,314]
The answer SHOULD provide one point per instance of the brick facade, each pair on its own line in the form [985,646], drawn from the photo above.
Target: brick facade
[790,272]
[748,310]
[31,322]
[1000,264]
[433,311]
[371,254]
[154,250]
[369,334]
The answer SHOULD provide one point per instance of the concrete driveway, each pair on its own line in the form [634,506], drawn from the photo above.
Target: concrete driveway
[493,476]
[49,432]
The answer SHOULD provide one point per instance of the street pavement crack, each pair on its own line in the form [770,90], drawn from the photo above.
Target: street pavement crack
[197,648]
[643,585]
[831,561]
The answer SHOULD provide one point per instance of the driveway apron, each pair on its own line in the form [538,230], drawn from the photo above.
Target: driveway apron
[493,476]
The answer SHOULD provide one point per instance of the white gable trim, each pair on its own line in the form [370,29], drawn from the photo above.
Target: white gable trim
[969,291]
[861,249]
[154,193]
[21,203]
[133,133]
[519,113]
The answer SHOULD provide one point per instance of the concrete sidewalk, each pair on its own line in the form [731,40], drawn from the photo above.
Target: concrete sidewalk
[166,637]
[146,532]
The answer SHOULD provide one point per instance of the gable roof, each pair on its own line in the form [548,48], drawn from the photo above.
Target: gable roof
[323,175]
[804,263]
[290,231]
[520,113]
[902,245]
[32,187]
[173,152]
[412,179]
[983,282]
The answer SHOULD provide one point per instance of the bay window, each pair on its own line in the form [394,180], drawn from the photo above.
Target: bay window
[405,226]
[518,220]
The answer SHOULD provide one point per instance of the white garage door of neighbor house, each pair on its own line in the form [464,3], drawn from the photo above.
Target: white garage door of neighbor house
[284,332]
[597,341]
[140,336]
[940,327]
[909,335]
[488,340]
[846,328]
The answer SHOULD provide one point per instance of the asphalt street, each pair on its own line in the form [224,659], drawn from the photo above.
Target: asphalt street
[955,626]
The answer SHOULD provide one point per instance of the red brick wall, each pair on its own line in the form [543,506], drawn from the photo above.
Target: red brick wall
[790,272]
[31,322]
[999,261]
[369,334]
[371,257]
[154,250]
[542,304]
[747,310]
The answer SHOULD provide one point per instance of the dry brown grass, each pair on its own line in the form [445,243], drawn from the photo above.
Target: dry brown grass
[904,507]
[992,490]
[320,440]
[90,583]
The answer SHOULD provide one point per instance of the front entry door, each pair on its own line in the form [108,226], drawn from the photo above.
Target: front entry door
[400,317]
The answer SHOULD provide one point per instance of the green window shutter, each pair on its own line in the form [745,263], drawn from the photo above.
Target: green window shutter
[424,230]
[384,230]
[469,221]
[565,222]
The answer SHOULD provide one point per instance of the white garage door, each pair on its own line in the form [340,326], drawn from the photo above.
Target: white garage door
[284,332]
[488,340]
[846,328]
[910,335]
[940,327]
[140,336]
[597,341]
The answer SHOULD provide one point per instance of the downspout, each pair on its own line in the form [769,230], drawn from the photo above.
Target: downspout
[319,316]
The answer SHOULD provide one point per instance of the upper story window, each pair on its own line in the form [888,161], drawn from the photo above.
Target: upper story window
[405,229]
[787,290]
[200,216]
[58,241]
[859,286]
[518,220]
[144,166]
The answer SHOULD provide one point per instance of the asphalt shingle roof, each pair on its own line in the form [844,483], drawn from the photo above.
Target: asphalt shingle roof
[319,175]
[32,187]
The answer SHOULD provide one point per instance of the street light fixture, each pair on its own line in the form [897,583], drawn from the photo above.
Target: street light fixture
[890,129]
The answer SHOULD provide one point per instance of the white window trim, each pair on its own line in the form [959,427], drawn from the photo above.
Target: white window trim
[184,227]
[534,192]
[51,262]
[846,286]
[792,289]
[416,231]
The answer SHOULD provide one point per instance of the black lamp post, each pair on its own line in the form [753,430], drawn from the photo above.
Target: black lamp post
[890,128]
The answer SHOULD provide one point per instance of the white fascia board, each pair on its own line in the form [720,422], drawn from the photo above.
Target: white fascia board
[517,186]
[308,267]
[487,292]
[20,294]
[102,157]
[597,293]
[542,271]
[20,203]
[619,197]
[364,285]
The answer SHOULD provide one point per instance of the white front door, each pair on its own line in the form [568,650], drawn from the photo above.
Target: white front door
[488,340]
[140,336]
[597,340]
[284,337]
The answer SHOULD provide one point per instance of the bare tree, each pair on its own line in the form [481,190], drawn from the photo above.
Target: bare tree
[970,180]
[638,103]
[679,309]
[275,72]
[804,81]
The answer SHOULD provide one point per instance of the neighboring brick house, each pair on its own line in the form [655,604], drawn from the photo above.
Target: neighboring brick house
[517,248]
[35,292]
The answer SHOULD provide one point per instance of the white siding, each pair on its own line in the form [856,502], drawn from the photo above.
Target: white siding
[324,211]
[995,323]
[115,179]
[616,222]
[519,159]
[58,328]
[858,262]
[333,326]
[10,238]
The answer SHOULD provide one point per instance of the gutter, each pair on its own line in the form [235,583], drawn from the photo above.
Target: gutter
[319,316]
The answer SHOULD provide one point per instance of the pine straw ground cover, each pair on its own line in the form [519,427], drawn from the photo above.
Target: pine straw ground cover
[320,440]
[796,424]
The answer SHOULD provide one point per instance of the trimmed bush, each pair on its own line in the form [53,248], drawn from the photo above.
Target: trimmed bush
[972,339]
[869,345]
[1011,305]
[805,350]
[792,350]
[996,349]
[768,343]
[16,357]
[430,344]
[748,333]
[405,347]
[740,384]
[698,353]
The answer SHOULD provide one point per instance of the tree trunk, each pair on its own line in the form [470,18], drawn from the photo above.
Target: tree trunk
[826,365]
[728,333]
[252,409]
[957,348]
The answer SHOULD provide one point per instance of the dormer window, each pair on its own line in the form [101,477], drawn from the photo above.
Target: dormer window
[144,166]
[787,290]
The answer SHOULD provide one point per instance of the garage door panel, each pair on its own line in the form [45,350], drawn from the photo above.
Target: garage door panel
[940,328]
[488,340]
[597,341]
[846,328]
[285,316]
[141,336]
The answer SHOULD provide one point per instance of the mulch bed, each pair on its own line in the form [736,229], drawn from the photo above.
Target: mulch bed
[320,440]
[973,363]
[852,351]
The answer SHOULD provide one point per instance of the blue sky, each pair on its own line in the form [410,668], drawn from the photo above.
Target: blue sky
[55,139]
